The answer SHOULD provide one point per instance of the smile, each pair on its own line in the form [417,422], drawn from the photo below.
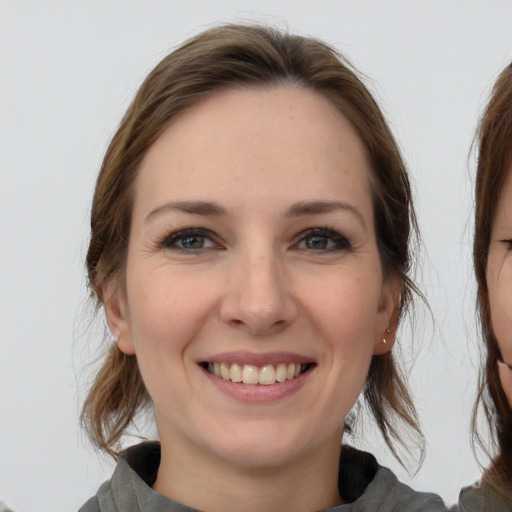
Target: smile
[266,375]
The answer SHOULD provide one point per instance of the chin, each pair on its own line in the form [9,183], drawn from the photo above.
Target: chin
[264,447]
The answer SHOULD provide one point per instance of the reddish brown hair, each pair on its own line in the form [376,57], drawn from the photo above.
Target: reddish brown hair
[252,56]
[494,161]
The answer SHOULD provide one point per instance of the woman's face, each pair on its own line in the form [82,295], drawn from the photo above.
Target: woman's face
[252,257]
[499,282]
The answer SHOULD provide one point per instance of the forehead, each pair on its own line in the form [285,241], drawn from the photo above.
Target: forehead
[257,142]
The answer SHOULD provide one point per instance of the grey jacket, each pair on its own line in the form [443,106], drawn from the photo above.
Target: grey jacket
[485,496]
[366,486]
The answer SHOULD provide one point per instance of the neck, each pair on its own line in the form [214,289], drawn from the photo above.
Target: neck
[203,482]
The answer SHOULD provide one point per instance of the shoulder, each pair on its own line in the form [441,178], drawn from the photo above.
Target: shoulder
[104,500]
[133,476]
[379,489]
[392,495]
[483,496]
[91,505]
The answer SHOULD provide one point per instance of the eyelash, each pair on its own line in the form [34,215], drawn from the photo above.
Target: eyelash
[508,243]
[338,242]
[171,240]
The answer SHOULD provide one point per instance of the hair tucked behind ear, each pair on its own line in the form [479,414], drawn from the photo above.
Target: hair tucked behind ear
[261,57]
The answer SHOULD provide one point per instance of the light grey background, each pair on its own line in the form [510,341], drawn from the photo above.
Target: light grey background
[67,72]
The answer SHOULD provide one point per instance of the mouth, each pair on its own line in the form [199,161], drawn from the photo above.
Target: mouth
[265,375]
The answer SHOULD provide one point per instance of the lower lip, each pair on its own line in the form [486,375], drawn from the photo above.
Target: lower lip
[258,392]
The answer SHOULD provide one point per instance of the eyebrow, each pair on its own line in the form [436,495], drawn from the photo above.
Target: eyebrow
[204,208]
[300,209]
[318,207]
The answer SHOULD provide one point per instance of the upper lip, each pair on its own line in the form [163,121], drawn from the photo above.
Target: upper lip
[257,359]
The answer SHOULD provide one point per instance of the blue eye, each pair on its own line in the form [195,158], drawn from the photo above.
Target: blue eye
[189,240]
[318,243]
[323,240]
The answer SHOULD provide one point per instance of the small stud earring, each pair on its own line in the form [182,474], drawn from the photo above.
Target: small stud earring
[384,340]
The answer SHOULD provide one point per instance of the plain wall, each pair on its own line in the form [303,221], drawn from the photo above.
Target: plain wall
[68,70]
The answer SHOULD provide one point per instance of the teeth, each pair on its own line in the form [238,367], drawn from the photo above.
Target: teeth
[267,375]
[281,372]
[224,371]
[250,374]
[235,373]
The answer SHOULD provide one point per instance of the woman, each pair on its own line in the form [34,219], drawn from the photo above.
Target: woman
[493,268]
[250,232]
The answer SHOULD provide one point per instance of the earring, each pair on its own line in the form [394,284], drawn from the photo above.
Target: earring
[384,340]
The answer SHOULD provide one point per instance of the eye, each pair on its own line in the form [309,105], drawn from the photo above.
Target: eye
[508,243]
[189,241]
[322,240]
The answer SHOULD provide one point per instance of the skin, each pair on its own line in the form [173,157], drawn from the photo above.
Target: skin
[499,277]
[258,285]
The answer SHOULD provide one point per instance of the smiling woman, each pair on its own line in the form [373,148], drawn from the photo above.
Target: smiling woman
[493,268]
[250,246]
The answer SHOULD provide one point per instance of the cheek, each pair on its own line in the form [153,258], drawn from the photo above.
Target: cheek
[165,313]
[500,297]
[345,310]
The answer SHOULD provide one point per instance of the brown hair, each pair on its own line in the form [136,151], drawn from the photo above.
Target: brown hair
[494,159]
[223,57]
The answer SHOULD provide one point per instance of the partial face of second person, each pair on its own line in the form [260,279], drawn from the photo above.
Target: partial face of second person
[499,282]
[252,256]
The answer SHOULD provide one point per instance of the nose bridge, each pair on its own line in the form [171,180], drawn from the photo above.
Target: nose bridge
[259,297]
[265,281]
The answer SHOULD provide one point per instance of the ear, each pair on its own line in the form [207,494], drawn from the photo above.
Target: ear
[116,310]
[387,315]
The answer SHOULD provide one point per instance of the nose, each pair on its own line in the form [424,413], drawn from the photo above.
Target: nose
[259,297]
